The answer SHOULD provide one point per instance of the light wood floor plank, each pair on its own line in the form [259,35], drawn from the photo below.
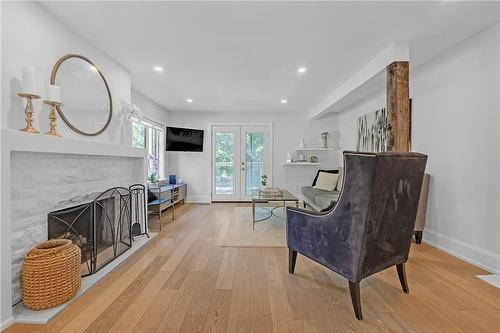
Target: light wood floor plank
[218,313]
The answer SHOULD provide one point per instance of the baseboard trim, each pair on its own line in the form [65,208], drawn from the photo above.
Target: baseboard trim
[472,254]
[198,199]
[6,323]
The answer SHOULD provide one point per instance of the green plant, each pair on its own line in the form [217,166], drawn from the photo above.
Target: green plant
[153,178]
[263,181]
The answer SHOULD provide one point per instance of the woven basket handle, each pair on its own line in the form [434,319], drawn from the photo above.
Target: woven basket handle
[49,248]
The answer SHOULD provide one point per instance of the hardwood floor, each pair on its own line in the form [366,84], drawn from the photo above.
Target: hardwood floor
[183,281]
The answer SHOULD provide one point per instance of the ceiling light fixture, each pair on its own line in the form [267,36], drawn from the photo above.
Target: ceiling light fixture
[284,101]
[158,68]
[302,70]
[189,100]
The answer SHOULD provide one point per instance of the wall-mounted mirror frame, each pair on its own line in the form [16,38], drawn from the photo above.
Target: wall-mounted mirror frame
[60,108]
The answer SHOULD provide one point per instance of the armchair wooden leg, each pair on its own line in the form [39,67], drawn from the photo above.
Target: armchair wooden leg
[402,277]
[418,237]
[292,259]
[356,299]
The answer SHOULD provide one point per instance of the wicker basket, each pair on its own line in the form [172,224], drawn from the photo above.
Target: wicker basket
[51,274]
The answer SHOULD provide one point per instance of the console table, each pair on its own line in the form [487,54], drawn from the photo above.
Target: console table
[167,196]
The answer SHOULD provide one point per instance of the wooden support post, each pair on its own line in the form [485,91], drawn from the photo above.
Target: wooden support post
[398,106]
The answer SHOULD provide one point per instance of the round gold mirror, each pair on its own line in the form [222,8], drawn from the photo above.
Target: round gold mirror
[87,106]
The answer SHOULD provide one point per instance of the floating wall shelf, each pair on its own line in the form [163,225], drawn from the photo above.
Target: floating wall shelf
[314,149]
[302,164]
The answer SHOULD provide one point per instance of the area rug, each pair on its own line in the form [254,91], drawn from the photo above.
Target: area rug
[267,233]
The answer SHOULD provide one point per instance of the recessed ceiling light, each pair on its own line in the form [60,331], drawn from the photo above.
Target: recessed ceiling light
[302,70]
[189,100]
[284,101]
[158,68]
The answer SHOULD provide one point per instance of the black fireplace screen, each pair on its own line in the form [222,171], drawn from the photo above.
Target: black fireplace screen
[101,228]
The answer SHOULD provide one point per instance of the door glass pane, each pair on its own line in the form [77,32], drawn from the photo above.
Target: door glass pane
[254,163]
[224,163]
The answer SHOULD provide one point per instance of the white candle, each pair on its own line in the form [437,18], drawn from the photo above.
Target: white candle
[54,93]
[28,79]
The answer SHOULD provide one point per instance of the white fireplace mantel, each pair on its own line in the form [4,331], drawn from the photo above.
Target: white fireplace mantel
[13,142]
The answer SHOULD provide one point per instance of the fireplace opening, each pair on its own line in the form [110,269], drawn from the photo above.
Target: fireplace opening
[100,228]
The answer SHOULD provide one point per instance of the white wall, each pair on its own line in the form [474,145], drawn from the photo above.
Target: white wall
[32,36]
[456,109]
[288,128]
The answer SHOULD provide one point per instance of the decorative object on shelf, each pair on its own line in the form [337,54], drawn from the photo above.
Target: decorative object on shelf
[324,139]
[172,179]
[302,144]
[28,93]
[53,102]
[180,181]
[51,274]
[313,159]
[371,132]
[289,157]
[85,90]
[29,112]
[301,158]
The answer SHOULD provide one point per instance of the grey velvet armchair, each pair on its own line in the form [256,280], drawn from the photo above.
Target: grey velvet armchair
[371,226]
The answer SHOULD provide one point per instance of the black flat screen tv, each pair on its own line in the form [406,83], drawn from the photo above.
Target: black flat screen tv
[184,139]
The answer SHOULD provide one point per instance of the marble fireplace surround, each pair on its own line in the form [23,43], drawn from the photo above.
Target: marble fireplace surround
[41,174]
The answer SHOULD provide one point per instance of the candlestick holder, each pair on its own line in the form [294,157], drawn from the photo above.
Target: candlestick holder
[52,117]
[29,112]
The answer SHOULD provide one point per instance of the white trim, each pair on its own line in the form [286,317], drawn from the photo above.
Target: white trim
[470,253]
[494,280]
[198,199]
[6,323]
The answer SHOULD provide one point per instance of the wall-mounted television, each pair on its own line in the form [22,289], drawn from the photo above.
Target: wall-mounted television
[184,139]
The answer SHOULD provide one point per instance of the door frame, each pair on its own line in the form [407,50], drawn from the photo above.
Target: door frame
[211,165]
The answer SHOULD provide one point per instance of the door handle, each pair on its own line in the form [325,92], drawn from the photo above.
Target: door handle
[242,169]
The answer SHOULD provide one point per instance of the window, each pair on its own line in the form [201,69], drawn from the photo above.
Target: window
[138,135]
[149,135]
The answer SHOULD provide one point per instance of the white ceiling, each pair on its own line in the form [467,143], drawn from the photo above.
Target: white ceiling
[243,56]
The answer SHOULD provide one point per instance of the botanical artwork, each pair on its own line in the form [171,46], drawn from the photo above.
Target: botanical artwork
[371,131]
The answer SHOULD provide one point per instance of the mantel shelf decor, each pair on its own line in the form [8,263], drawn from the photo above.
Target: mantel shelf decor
[52,117]
[29,112]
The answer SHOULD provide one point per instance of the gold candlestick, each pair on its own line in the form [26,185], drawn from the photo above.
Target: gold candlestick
[52,117]
[29,112]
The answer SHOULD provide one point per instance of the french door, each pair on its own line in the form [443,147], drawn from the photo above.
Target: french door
[240,157]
